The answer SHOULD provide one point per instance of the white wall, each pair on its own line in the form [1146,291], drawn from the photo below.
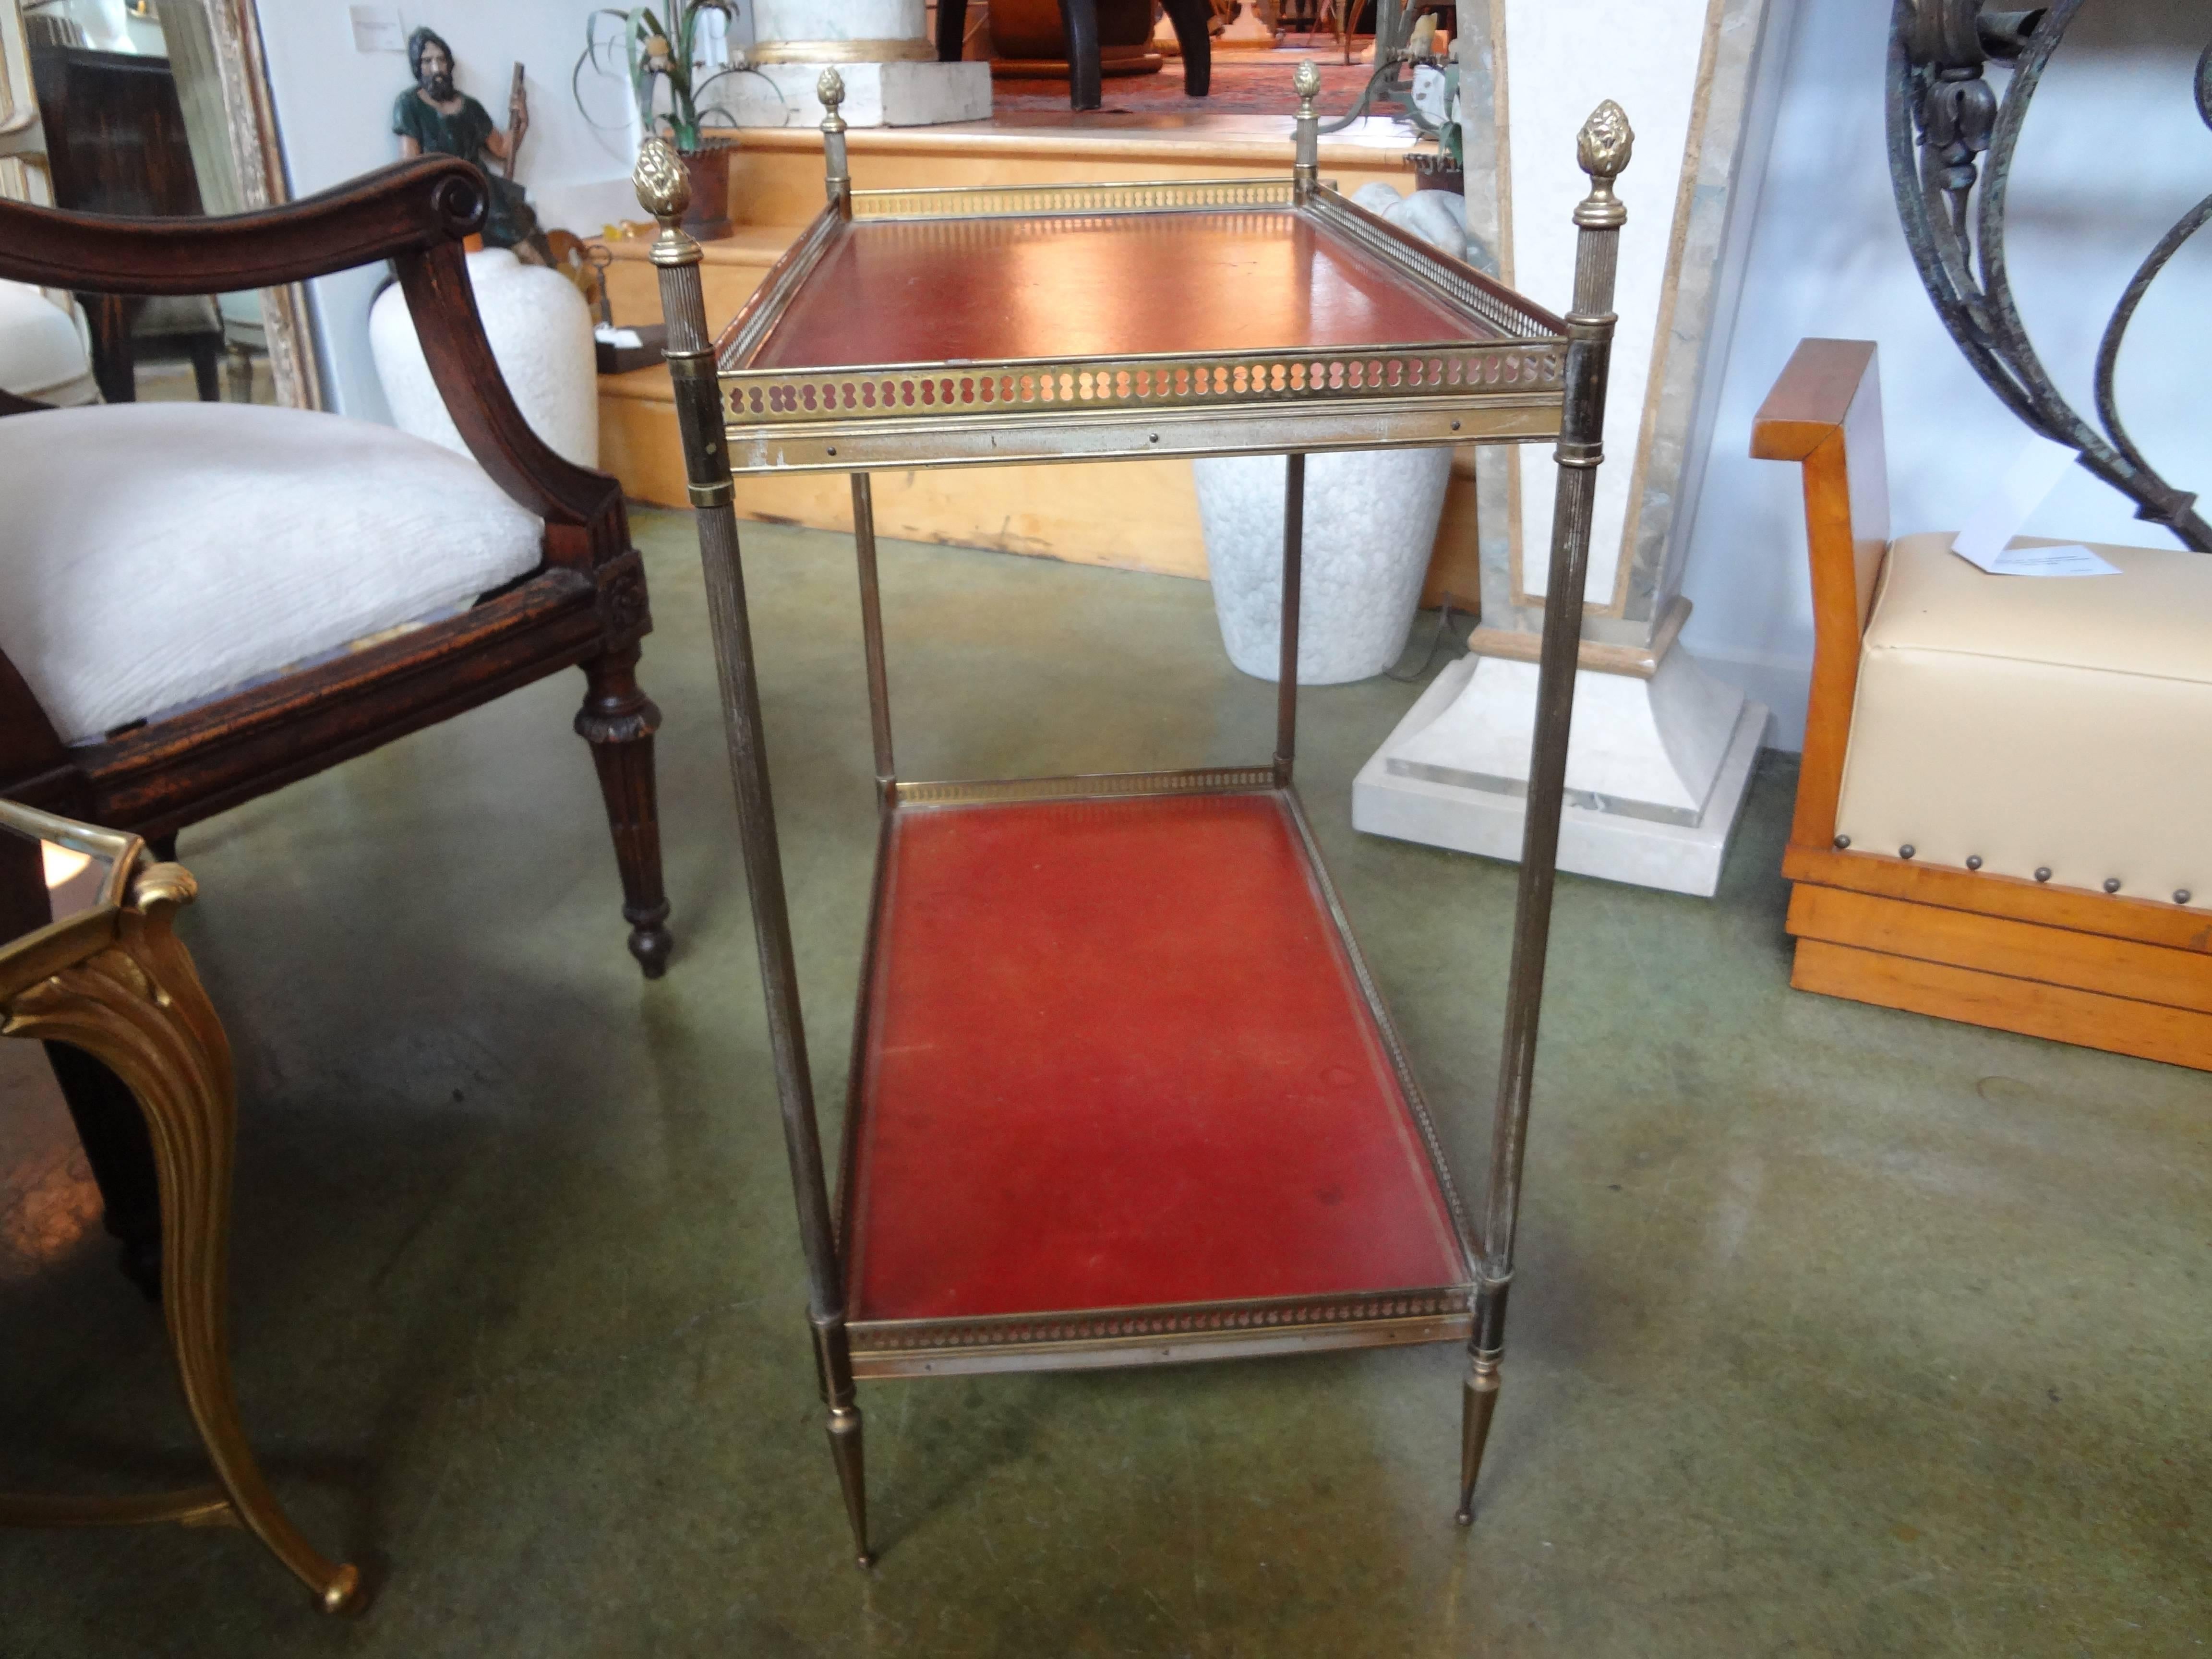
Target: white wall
[2113,154]
[334,110]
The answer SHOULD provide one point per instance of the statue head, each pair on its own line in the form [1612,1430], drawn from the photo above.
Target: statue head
[432,62]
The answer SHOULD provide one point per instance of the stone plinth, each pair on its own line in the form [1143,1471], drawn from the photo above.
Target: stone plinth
[1699,79]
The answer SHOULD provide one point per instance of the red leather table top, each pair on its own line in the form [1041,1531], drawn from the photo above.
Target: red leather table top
[1117,1058]
[929,291]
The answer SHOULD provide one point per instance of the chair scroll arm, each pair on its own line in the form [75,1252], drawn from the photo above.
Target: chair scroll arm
[1825,412]
[426,202]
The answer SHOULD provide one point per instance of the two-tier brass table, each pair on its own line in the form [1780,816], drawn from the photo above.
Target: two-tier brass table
[1122,1088]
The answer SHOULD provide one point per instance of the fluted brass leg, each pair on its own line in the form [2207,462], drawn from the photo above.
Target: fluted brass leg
[1476,1410]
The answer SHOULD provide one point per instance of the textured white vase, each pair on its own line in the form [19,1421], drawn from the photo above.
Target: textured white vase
[540,330]
[1371,522]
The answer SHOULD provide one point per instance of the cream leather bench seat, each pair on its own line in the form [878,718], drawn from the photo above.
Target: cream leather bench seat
[2056,729]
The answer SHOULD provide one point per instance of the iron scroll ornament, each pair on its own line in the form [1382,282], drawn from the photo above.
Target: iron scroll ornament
[1944,117]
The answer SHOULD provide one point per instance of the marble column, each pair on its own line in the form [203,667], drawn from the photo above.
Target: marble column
[881,51]
[1662,752]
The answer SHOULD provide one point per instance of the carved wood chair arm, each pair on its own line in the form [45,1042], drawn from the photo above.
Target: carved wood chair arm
[414,213]
[428,202]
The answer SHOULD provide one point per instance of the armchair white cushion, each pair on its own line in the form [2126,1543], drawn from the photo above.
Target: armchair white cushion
[42,356]
[157,556]
[2059,724]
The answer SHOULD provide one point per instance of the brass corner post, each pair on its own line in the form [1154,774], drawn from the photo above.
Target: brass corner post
[1306,171]
[830,89]
[1286,658]
[1603,149]
[663,192]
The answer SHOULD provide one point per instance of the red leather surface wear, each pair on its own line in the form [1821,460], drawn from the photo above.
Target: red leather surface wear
[932,291]
[1117,1058]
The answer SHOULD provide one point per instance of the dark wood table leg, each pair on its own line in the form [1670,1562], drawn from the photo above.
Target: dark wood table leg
[108,1122]
[1190,18]
[1080,19]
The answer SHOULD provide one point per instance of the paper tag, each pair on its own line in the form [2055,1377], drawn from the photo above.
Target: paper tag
[608,334]
[1987,540]
[1989,528]
[2071,560]
[376,28]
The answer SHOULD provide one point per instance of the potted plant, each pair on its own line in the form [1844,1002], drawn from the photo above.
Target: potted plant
[651,55]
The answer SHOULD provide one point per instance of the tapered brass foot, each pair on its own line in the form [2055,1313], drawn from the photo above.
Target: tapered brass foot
[852,1475]
[342,1590]
[1476,1409]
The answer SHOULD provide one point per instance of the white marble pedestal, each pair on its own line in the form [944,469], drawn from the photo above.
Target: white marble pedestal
[893,94]
[1656,770]
[881,50]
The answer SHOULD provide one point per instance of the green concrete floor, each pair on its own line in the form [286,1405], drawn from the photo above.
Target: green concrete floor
[1836,1330]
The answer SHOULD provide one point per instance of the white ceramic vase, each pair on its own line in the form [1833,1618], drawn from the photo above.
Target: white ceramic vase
[1371,523]
[540,330]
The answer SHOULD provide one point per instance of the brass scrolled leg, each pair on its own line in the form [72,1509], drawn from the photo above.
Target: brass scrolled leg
[132,1000]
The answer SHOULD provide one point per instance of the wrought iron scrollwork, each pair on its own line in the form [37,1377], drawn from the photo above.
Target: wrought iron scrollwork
[1951,145]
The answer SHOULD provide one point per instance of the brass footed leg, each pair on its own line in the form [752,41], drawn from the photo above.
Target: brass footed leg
[1475,1412]
[833,1372]
[134,1003]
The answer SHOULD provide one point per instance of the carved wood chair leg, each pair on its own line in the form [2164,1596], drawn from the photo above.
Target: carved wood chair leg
[206,351]
[1079,20]
[114,366]
[618,720]
[113,1131]
[952,30]
[1189,18]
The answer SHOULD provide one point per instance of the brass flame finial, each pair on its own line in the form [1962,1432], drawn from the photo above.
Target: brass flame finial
[1603,148]
[830,89]
[664,189]
[1308,82]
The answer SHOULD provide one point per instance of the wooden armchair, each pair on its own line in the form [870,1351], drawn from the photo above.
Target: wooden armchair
[569,592]
[2001,812]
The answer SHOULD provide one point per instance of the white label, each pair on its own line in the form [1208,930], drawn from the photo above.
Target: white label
[1989,528]
[378,28]
[2071,560]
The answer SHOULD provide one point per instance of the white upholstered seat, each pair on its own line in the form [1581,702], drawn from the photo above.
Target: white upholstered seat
[154,555]
[2055,724]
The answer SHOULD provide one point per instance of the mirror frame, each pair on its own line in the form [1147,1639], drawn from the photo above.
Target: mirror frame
[257,152]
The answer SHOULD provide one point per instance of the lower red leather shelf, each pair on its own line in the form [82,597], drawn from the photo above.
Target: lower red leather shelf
[1117,1056]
